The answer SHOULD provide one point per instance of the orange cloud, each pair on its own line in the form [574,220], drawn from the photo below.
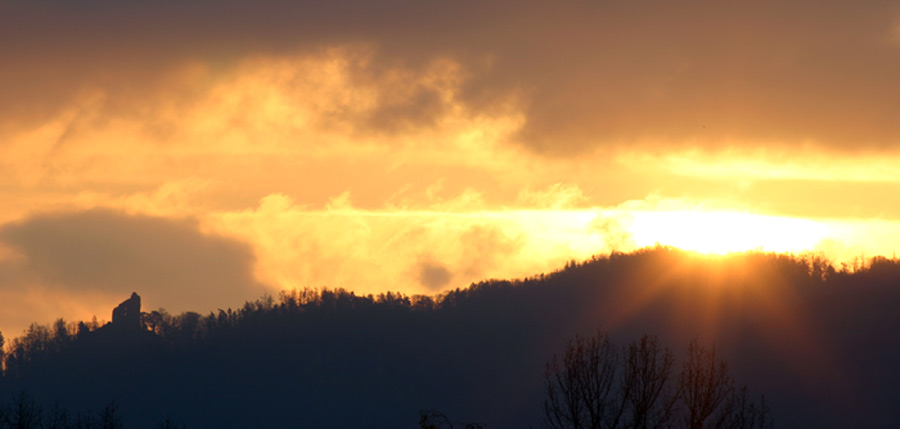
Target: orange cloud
[377,146]
[585,75]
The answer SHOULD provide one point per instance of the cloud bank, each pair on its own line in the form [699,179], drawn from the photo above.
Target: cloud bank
[107,253]
[583,74]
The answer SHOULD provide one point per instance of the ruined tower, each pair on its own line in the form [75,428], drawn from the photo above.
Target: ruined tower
[128,314]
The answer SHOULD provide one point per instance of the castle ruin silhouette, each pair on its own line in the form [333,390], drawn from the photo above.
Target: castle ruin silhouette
[128,314]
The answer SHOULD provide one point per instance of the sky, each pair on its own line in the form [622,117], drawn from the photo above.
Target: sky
[205,153]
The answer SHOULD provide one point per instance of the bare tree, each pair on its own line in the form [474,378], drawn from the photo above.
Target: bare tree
[109,418]
[648,369]
[597,386]
[740,412]
[581,389]
[57,418]
[168,423]
[23,413]
[431,419]
[704,385]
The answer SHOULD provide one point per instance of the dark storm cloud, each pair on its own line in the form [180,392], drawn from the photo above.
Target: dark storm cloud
[167,261]
[589,72]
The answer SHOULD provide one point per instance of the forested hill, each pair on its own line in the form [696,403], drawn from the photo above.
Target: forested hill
[820,343]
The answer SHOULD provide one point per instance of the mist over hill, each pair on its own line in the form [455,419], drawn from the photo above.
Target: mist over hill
[820,343]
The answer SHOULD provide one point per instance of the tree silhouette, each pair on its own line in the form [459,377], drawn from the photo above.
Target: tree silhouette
[23,413]
[58,418]
[431,419]
[704,385]
[598,386]
[109,417]
[581,391]
[168,423]
[648,369]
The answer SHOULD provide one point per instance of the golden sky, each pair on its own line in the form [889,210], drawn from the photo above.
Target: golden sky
[203,153]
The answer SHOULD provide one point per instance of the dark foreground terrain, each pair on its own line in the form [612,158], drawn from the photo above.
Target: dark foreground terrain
[821,345]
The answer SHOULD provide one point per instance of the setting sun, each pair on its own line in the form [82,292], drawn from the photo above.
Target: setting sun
[723,232]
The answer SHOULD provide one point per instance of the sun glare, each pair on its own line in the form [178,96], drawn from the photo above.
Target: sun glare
[723,232]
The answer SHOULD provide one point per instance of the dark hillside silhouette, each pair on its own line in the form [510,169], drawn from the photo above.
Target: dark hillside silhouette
[818,342]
